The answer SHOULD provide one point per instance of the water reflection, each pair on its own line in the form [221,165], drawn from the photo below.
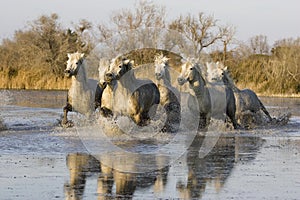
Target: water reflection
[216,167]
[213,170]
[81,165]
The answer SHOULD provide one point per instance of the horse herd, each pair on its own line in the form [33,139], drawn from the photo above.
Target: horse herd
[119,92]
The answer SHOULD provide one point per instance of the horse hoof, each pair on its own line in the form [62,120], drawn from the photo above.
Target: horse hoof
[67,124]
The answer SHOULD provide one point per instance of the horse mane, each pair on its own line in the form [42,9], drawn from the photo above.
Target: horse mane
[160,58]
[230,81]
[82,69]
[199,67]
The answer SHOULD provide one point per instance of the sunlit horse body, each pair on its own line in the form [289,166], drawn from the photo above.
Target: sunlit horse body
[191,73]
[104,95]
[169,95]
[247,102]
[81,95]
[132,97]
[222,95]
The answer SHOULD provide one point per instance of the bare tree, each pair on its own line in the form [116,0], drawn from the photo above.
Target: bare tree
[202,31]
[133,28]
[259,44]
[145,14]
[228,33]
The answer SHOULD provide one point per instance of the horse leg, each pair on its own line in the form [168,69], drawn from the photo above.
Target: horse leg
[66,109]
[231,107]
[203,120]
[230,112]
[105,112]
[263,108]
[137,118]
[98,95]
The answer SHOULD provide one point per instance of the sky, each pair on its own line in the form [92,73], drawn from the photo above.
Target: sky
[277,19]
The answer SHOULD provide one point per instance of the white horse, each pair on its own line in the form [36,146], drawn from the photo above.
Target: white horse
[191,73]
[223,100]
[106,93]
[169,95]
[247,103]
[132,97]
[81,95]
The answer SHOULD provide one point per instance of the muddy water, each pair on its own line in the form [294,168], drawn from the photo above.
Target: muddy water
[40,160]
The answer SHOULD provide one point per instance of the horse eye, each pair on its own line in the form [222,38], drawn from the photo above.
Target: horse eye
[76,63]
[191,68]
[120,66]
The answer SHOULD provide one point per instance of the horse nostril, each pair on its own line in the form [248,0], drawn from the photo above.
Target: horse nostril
[109,75]
[67,71]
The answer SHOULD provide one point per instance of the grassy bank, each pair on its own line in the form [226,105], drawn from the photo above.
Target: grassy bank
[33,80]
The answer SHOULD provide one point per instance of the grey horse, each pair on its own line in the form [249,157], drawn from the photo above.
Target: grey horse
[199,93]
[169,95]
[214,76]
[247,102]
[132,97]
[81,95]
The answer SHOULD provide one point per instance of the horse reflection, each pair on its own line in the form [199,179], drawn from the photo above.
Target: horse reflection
[80,166]
[115,183]
[125,183]
[216,167]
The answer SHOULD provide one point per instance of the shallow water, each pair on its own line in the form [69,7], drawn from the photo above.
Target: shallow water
[40,160]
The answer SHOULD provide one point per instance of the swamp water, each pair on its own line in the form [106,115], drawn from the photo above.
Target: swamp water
[41,160]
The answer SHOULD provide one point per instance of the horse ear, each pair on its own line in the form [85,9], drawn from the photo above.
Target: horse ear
[166,59]
[81,55]
[126,61]
[132,62]
[69,55]
[225,68]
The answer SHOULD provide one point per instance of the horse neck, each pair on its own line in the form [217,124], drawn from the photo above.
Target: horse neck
[81,76]
[198,84]
[230,84]
[166,80]
[128,80]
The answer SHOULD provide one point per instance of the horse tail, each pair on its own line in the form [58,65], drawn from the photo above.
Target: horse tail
[263,108]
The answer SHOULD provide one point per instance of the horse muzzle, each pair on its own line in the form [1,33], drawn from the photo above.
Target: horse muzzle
[68,73]
[181,80]
[158,76]
[110,77]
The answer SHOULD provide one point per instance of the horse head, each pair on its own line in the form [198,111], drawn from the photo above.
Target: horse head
[74,62]
[215,71]
[102,69]
[226,78]
[161,64]
[117,68]
[189,71]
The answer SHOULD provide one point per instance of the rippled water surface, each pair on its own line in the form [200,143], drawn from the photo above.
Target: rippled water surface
[41,160]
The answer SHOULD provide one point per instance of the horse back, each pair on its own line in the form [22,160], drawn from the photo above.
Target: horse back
[146,96]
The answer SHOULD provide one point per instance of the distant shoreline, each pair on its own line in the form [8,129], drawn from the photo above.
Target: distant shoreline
[258,94]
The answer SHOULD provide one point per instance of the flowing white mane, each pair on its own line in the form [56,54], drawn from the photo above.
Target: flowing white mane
[229,80]
[193,62]
[160,59]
